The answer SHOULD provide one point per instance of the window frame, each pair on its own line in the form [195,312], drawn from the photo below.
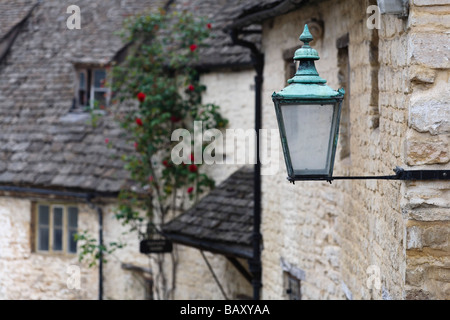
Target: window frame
[290,279]
[65,228]
[106,90]
[90,89]
[52,226]
[83,71]
[290,65]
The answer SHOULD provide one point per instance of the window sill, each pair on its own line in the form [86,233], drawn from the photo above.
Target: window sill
[80,115]
[55,254]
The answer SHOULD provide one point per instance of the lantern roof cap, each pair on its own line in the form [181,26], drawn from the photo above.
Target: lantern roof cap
[307,84]
[301,91]
[306,52]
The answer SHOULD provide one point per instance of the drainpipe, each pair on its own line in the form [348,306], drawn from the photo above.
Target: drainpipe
[100,258]
[255,263]
[100,244]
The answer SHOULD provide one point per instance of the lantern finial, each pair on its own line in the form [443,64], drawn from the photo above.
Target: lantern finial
[306,36]
[306,52]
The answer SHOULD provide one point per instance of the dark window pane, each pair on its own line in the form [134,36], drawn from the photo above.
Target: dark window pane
[82,81]
[57,239]
[99,78]
[82,98]
[294,289]
[99,97]
[43,215]
[57,217]
[73,217]
[43,239]
[72,244]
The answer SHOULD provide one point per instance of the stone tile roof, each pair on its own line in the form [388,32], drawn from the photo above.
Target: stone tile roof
[222,221]
[249,7]
[42,143]
[12,12]
[255,12]
[221,51]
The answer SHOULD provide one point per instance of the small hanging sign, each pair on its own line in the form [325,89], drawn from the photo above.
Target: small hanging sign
[155,246]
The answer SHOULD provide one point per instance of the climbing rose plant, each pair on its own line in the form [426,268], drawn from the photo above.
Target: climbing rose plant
[159,75]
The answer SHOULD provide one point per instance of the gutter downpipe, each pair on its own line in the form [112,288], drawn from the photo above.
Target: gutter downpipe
[255,262]
[258,63]
[100,258]
[100,244]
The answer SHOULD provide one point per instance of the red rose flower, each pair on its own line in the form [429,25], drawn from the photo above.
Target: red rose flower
[191,87]
[106,140]
[190,189]
[165,163]
[175,119]
[136,145]
[139,122]
[150,178]
[141,96]
[193,168]
[193,47]
[209,26]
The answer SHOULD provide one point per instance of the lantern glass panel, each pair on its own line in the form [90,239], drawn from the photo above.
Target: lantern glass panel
[310,135]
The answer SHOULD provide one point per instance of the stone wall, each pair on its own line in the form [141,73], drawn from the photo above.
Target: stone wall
[233,92]
[25,274]
[347,235]
[28,275]
[196,282]
[426,207]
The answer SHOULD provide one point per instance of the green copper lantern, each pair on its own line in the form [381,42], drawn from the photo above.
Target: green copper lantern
[308,113]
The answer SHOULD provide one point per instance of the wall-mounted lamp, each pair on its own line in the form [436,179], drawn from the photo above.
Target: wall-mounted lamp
[308,113]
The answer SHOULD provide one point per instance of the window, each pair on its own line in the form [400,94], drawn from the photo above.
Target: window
[344,82]
[292,278]
[293,287]
[92,91]
[290,65]
[55,228]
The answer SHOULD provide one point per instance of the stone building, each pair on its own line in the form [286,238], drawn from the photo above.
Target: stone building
[362,239]
[359,239]
[56,172]
[365,239]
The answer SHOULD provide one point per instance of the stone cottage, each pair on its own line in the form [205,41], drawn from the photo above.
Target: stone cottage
[57,176]
[352,239]
[358,239]
[370,239]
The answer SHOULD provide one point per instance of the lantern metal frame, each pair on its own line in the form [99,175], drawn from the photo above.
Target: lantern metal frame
[306,87]
[294,175]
